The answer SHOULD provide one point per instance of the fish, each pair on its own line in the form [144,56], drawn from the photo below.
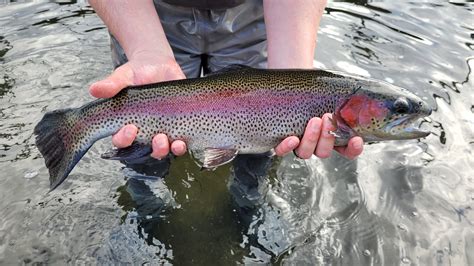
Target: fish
[236,111]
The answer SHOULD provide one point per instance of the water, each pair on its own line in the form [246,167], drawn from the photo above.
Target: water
[402,203]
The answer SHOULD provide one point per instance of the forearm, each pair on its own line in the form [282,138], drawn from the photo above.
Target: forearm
[292,27]
[135,24]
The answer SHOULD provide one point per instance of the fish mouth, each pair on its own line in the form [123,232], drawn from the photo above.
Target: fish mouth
[407,127]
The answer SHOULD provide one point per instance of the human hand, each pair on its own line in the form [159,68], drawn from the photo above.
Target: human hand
[318,141]
[142,68]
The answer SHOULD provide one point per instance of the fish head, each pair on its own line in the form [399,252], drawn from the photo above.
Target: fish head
[379,111]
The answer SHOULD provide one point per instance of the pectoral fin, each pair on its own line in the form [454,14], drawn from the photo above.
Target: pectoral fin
[342,133]
[135,151]
[214,157]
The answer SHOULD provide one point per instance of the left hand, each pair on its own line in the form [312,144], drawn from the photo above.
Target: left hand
[291,36]
[142,68]
[317,140]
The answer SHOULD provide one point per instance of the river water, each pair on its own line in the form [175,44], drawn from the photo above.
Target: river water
[406,202]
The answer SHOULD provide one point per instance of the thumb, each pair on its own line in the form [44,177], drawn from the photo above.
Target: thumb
[113,84]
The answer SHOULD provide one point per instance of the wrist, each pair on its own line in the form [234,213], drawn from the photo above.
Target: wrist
[135,25]
[154,66]
[291,32]
[144,53]
[291,61]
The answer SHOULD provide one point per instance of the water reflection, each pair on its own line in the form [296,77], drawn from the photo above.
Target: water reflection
[55,20]
[163,216]
[6,85]
[4,47]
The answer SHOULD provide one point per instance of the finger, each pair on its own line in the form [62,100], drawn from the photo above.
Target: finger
[178,147]
[161,146]
[353,149]
[125,136]
[326,140]
[310,138]
[287,145]
[113,84]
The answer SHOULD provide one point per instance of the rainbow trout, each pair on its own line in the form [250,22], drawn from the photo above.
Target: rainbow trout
[238,111]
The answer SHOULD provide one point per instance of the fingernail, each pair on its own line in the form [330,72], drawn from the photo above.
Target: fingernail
[161,144]
[292,143]
[314,125]
[177,150]
[181,148]
[328,119]
[106,83]
[158,143]
[357,145]
[128,132]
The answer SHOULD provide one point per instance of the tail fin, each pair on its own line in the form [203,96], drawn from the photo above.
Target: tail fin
[60,147]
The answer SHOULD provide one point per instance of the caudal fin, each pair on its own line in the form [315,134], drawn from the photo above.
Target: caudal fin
[60,147]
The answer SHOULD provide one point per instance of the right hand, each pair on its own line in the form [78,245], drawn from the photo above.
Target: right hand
[142,68]
[317,140]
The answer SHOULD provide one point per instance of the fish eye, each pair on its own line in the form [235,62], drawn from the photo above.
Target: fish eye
[401,105]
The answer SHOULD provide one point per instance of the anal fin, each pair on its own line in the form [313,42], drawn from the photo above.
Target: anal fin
[214,157]
[134,151]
